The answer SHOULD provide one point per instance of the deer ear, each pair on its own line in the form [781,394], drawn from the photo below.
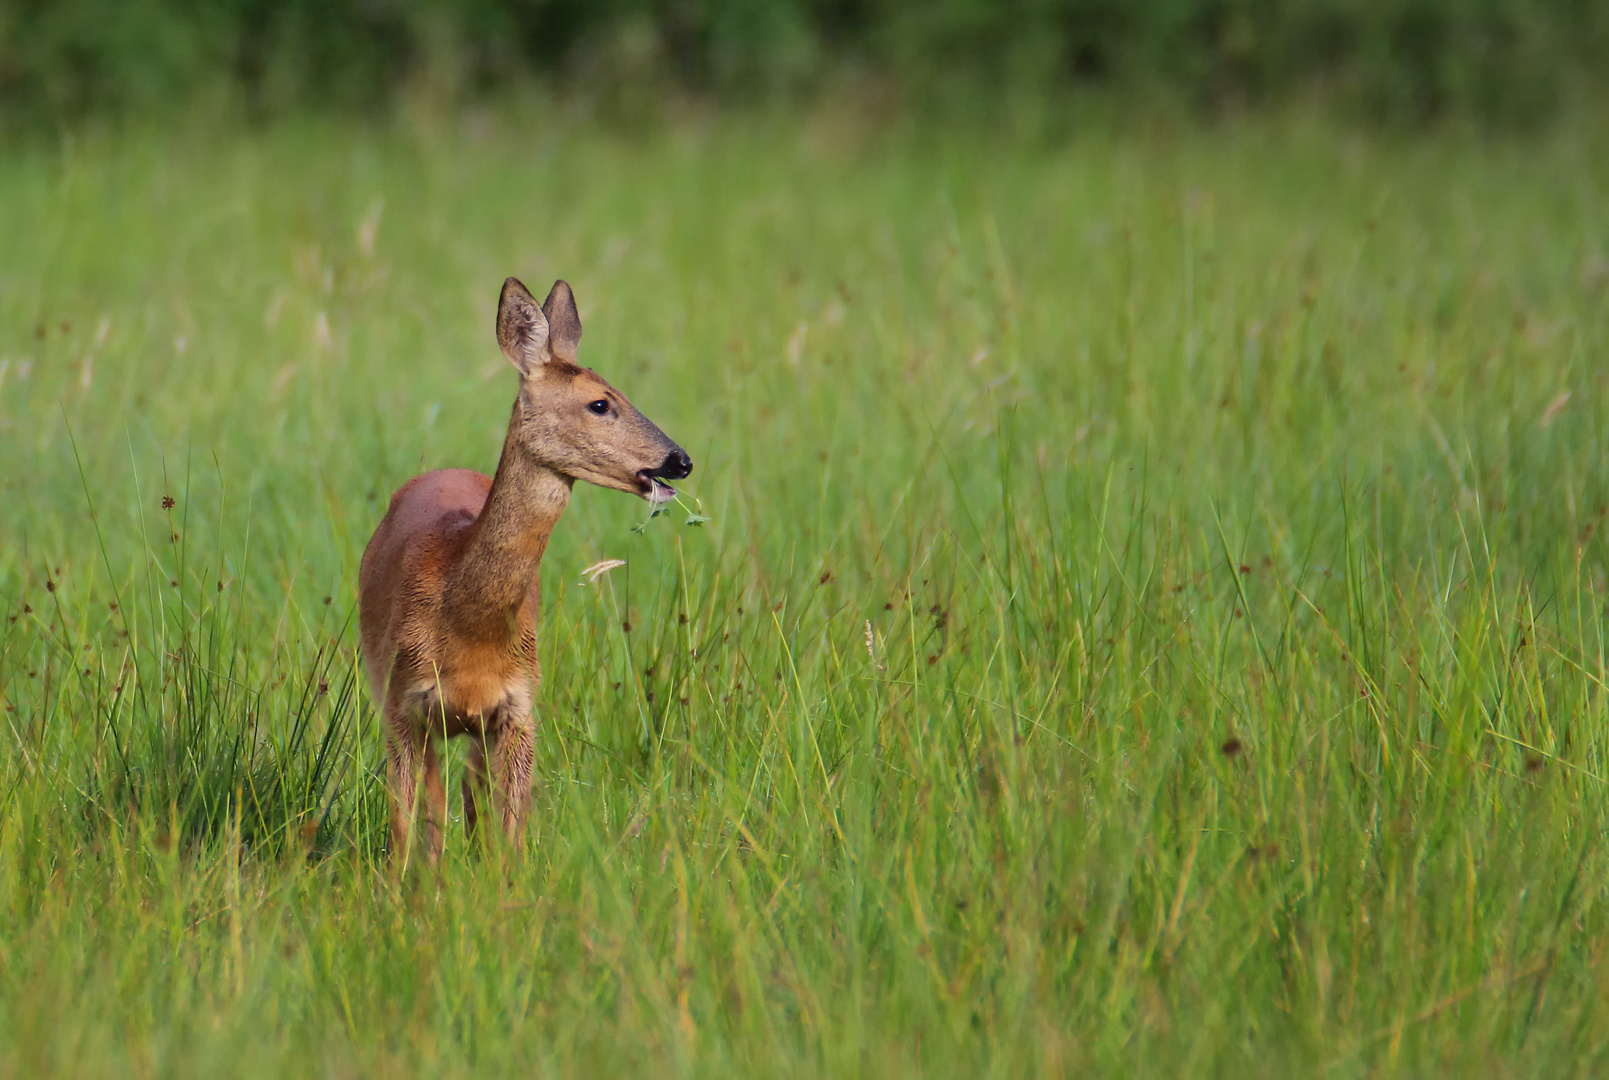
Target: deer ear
[522,329]
[564,322]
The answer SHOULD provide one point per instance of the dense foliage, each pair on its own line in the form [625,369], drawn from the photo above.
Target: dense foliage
[1506,60]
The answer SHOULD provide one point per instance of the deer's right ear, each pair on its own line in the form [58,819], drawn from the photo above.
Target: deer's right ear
[522,329]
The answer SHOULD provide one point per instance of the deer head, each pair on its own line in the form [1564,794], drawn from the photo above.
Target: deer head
[571,420]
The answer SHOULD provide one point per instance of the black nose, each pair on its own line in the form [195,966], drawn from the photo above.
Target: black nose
[677,465]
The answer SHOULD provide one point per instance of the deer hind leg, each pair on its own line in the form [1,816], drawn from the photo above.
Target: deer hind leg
[512,757]
[435,808]
[404,744]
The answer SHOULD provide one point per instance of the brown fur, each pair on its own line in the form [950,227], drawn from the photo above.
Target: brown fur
[449,591]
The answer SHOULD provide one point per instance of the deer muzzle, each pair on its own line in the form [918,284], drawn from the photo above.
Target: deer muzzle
[676,466]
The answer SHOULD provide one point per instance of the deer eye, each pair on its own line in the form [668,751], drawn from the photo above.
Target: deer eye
[600,407]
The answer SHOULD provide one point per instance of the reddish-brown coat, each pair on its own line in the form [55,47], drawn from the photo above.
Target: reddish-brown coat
[448,588]
[432,522]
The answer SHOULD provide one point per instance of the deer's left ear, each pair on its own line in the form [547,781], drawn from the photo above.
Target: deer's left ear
[522,329]
[564,322]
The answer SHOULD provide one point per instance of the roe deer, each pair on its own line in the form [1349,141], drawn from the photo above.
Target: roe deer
[449,588]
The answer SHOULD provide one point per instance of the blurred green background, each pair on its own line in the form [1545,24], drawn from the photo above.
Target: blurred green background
[1504,61]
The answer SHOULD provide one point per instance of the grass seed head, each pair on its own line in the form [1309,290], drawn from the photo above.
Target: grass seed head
[598,569]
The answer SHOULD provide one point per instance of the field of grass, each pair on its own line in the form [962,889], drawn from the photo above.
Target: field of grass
[1152,620]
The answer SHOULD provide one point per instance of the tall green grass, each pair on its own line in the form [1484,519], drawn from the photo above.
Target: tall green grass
[1152,620]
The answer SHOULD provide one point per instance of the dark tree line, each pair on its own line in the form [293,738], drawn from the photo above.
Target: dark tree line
[1408,59]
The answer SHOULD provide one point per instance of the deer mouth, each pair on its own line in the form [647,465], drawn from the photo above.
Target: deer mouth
[654,489]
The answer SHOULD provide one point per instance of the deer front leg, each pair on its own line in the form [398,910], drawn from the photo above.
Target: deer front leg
[512,756]
[474,783]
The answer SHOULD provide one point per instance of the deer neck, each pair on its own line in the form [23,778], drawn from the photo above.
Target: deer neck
[494,578]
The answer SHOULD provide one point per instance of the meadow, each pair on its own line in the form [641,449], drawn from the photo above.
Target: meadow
[1150,619]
